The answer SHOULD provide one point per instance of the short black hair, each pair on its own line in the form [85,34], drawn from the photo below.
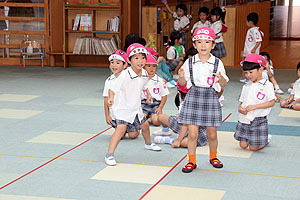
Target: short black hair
[250,66]
[203,10]
[135,54]
[219,12]
[175,35]
[142,41]
[298,66]
[190,52]
[182,6]
[265,54]
[130,39]
[253,17]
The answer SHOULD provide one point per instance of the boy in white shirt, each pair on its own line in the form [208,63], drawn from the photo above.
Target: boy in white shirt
[127,107]
[158,90]
[256,99]
[294,101]
[181,21]
[203,22]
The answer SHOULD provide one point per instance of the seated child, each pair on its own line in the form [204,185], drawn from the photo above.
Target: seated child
[294,101]
[126,107]
[172,122]
[203,15]
[268,72]
[257,99]
[175,53]
[158,90]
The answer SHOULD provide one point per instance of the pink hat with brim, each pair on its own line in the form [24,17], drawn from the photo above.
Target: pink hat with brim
[150,59]
[119,55]
[152,51]
[255,58]
[204,33]
[136,48]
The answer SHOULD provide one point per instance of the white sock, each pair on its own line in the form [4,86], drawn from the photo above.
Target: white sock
[276,87]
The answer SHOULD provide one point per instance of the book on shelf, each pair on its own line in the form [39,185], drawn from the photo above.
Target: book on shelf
[96,46]
[76,22]
[85,22]
[113,24]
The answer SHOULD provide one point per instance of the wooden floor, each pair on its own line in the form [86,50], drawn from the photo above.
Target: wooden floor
[284,53]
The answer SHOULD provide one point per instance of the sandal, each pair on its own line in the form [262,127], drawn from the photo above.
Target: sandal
[189,167]
[216,163]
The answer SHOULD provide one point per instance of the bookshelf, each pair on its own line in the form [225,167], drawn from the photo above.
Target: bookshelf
[100,14]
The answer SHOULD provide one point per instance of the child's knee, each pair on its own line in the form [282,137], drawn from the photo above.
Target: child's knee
[254,148]
[133,135]
[282,104]
[244,145]
[154,120]
[145,125]
[212,136]
[297,107]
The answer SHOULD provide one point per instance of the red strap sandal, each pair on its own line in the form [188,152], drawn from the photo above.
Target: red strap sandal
[189,167]
[216,163]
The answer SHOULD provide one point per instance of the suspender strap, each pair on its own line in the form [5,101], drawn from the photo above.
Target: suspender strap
[191,70]
[216,65]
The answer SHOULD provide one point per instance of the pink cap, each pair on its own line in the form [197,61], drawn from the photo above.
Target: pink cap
[151,59]
[182,88]
[136,48]
[152,51]
[119,55]
[204,33]
[255,58]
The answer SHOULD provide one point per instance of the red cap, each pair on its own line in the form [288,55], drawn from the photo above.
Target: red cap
[150,59]
[204,33]
[119,55]
[255,58]
[136,48]
[152,51]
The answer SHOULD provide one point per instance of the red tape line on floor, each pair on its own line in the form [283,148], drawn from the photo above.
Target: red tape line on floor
[53,159]
[172,169]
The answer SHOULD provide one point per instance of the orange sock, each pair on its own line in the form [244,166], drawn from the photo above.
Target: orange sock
[192,158]
[212,155]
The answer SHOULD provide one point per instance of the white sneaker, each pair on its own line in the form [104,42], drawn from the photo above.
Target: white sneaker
[244,80]
[110,161]
[279,91]
[290,90]
[152,147]
[269,138]
[162,133]
[170,85]
[160,139]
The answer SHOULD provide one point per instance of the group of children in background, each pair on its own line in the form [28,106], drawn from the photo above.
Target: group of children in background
[135,95]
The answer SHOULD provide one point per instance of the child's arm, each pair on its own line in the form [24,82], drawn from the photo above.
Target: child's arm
[181,79]
[161,105]
[183,130]
[270,75]
[167,6]
[255,47]
[267,104]
[149,97]
[221,80]
[106,110]
[111,96]
[242,110]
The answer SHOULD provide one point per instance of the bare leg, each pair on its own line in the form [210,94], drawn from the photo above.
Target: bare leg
[184,143]
[178,67]
[256,148]
[116,137]
[163,119]
[146,132]
[243,145]
[297,107]
[134,134]
[192,138]
[154,120]
[212,138]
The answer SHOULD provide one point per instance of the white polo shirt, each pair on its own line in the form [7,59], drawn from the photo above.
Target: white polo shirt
[173,54]
[128,87]
[253,94]
[110,80]
[253,36]
[157,88]
[200,25]
[180,22]
[296,89]
[203,73]
[217,27]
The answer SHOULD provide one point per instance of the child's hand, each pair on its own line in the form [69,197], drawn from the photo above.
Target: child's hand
[108,120]
[180,29]
[253,50]
[164,1]
[243,111]
[289,100]
[176,144]
[181,73]
[110,101]
[221,80]
[181,58]
[250,108]
[149,99]
[158,110]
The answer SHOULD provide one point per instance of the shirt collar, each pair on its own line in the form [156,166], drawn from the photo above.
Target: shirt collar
[154,78]
[133,75]
[262,81]
[112,77]
[211,60]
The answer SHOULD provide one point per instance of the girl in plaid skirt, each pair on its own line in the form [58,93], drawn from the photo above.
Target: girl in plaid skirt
[205,75]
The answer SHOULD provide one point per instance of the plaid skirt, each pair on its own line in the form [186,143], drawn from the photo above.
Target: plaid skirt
[148,108]
[201,107]
[219,51]
[173,64]
[292,106]
[176,127]
[255,133]
[129,127]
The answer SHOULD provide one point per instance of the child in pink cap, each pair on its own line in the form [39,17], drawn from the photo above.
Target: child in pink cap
[256,100]
[158,90]
[126,106]
[206,78]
